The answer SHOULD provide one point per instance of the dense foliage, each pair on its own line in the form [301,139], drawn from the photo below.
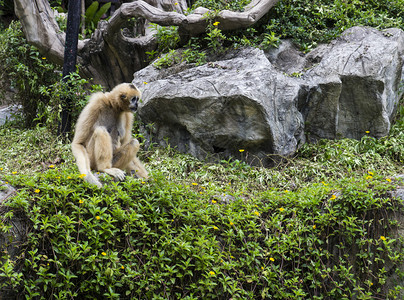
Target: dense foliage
[319,227]
[311,22]
[25,70]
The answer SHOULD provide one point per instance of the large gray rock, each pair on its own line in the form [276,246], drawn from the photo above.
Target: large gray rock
[354,87]
[240,102]
[265,102]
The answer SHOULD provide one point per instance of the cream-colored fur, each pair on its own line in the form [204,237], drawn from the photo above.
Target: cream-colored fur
[103,136]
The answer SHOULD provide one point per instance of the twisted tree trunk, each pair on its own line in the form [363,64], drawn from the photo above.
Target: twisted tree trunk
[111,55]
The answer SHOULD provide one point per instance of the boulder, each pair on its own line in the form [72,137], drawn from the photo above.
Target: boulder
[354,86]
[238,103]
[268,103]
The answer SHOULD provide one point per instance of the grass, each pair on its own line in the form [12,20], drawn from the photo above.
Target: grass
[319,226]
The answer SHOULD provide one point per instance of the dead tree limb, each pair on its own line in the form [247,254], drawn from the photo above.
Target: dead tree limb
[111,55]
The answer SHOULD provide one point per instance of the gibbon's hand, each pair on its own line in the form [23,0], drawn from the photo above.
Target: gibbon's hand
[116,173]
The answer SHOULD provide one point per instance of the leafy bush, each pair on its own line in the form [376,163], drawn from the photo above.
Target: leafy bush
[308,230]
[234,5]
[26,70]
[40,90]
[311,22]
[93,15]
[75,88]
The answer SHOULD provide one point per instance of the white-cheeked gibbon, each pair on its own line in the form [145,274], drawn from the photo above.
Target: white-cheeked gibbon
[103,136]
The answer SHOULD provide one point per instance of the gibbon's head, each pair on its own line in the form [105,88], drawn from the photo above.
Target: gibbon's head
[128,96]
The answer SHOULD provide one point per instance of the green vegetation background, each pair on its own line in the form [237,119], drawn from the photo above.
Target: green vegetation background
[321,225]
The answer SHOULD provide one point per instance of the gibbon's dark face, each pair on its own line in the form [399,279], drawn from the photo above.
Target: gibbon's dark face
[134,100]
[134,103]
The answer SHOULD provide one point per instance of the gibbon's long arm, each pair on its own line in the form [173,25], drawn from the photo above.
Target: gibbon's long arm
[83,163]
[84,128]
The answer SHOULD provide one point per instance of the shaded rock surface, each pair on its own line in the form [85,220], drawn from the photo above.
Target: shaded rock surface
[11,239]
[355,85]
[223,107]
[269,103]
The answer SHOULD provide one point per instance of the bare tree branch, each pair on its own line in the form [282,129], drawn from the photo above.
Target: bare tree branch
[40,28]
[110,56]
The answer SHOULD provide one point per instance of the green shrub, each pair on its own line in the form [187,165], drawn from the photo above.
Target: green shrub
[26,70]
[234,5]
[311,22]
[75,88]
[194,230]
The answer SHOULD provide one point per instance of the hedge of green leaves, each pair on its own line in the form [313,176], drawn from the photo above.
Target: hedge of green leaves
[318,21]
[206,235]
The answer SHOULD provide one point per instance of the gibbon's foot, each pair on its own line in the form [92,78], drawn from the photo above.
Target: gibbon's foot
[104,178]
[135,174]
[94,179]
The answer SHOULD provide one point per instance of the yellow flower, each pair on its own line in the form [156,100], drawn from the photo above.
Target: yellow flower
[1,169]
[281,209]
[216,23]
[103,253]
[382,238]
[215,228]
[214,201]
[241,150]
[81,201]
[333,197]
[194,183]
[44,57]
[211,273]
[231,223]
[367,131]
[272,259]
[122,267]
[314,226]
[15,172]
[51,166]
[256,213]
[69,177]
[370,173]
[82,175]
[324,183]
[286,191]
[369,177]
[388,179]
[145,82]
[176,3]
[143,182]
[98,217]
[37,191]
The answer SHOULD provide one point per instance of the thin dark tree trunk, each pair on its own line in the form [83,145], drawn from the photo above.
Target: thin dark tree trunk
[69,62]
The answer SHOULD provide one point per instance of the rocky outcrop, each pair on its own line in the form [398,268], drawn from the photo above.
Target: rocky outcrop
[268,103]
[223,107]
[355,84]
